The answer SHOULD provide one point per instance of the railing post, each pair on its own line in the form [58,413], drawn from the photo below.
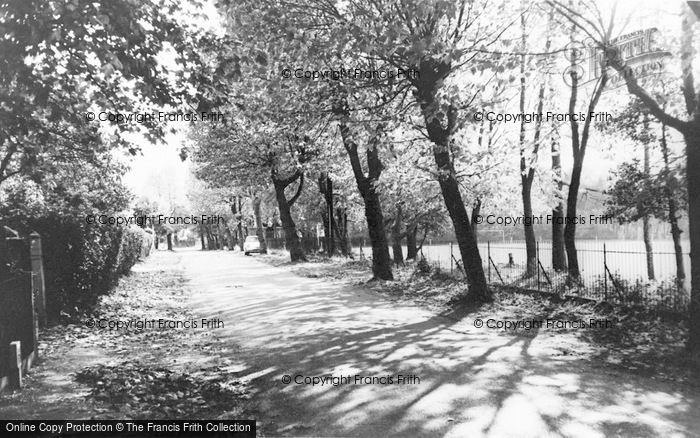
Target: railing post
[605,271]
[38,282]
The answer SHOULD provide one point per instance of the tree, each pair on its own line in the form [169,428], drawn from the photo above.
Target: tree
[558,250]
[637,193]
[334,219]
[435,40]
[252,154]
[528,159]
[688,128]
[579,143]
[367,185]
[64,59]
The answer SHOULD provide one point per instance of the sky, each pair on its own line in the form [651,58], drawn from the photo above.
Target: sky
[158,173]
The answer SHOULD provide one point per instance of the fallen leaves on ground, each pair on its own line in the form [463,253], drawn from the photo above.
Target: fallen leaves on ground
[146,392]
[146,373]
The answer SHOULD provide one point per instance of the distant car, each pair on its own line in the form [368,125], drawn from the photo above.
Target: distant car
[251,245]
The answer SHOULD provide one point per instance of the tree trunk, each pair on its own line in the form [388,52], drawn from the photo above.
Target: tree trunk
[578,147]
[468,248]
[396,237]
[646,227]
[558,252]
[570,227]
[646,220]
[449,186]
[170,241]
[201,236]
[677,247]
[325,186]
[211,237]
[412,243]
[341,231]
[530,242]
[692,139]
[381,261]
[241,237]
[672,211]
[291,238]
[691,133]
[476,211]
[526,171]
[258,222]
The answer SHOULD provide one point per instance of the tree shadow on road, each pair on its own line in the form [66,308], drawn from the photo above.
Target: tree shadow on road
[472,382]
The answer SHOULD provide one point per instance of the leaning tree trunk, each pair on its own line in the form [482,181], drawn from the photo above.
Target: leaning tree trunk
[449,186]
[296,252]
[468,248]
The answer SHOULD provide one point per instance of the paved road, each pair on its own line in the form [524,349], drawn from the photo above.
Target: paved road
[472,382]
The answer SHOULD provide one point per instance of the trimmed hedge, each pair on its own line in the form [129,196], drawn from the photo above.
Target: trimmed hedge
[133,240]
[83,261]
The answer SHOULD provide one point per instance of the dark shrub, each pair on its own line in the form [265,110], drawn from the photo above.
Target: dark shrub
[83,261]
[133,239]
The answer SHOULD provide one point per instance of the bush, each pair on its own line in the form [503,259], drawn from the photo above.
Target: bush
[653,294]
[423,267]
[83,261]
[133,240]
